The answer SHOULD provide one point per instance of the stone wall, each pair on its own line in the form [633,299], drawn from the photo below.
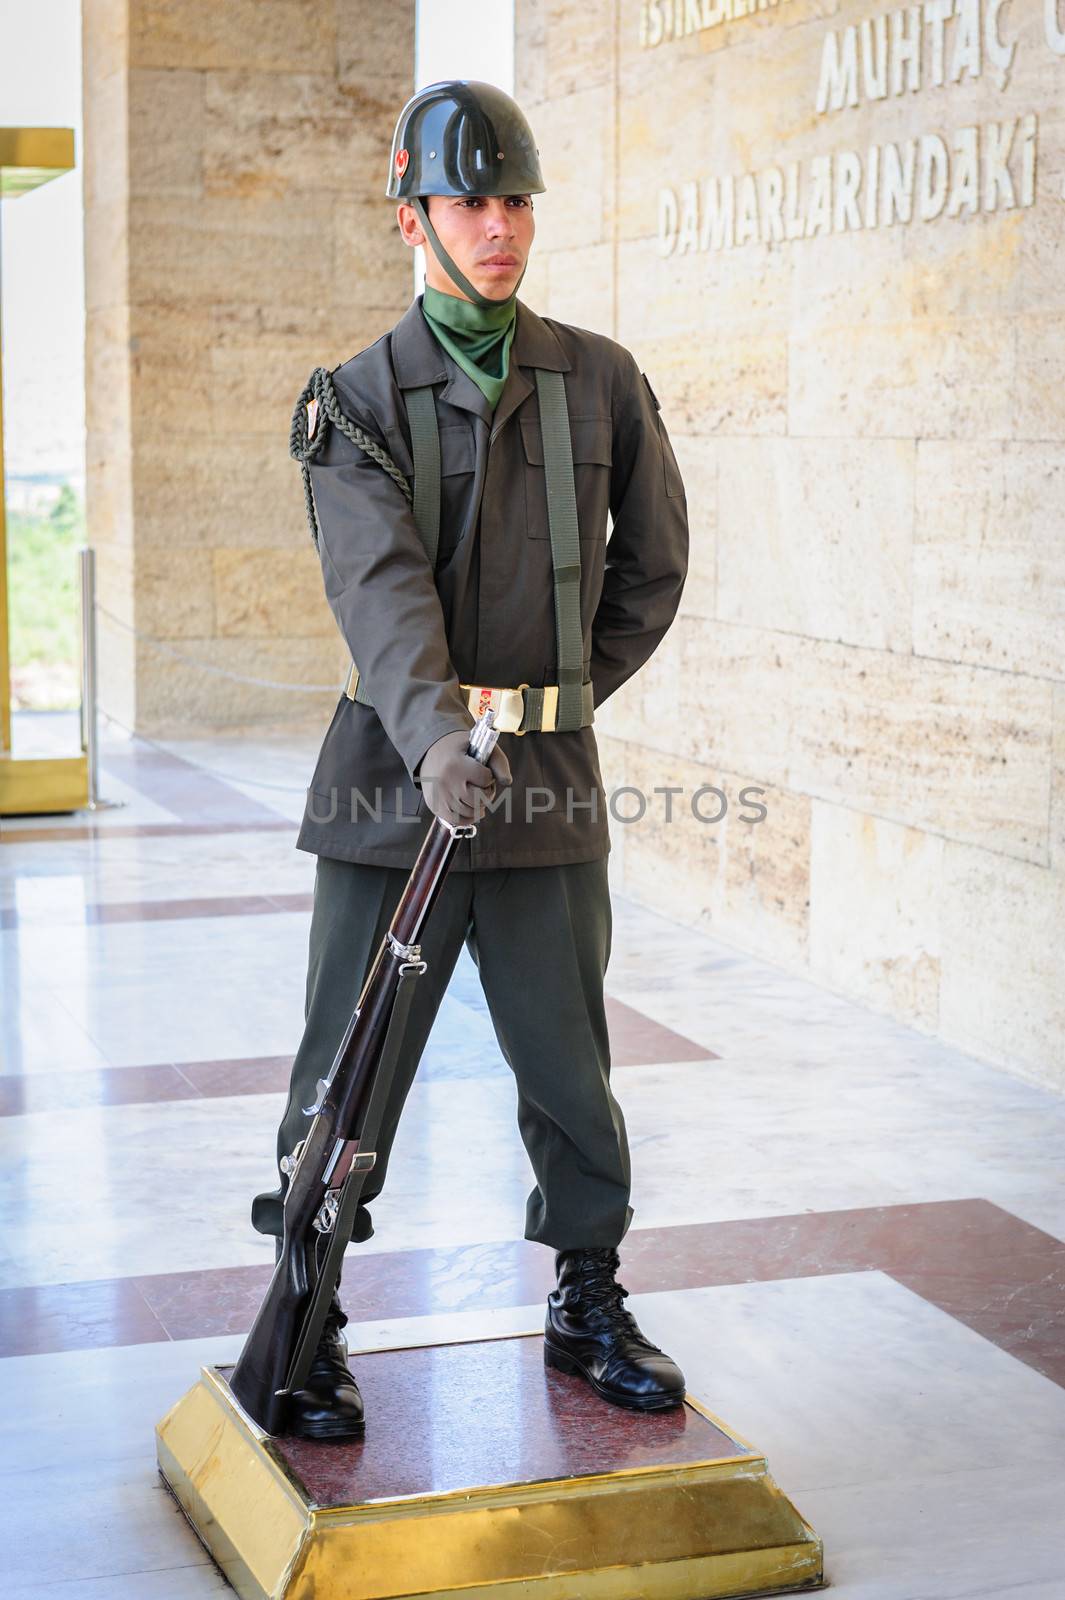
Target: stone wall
[236,237]
[833,235]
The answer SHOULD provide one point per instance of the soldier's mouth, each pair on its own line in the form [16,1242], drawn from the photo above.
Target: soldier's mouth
[499,261]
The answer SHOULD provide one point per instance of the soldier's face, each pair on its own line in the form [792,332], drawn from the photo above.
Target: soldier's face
[487,237]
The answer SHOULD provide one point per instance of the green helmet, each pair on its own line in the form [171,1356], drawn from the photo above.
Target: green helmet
[461,137]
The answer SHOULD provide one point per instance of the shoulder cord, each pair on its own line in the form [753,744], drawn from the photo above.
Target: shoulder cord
[304,449]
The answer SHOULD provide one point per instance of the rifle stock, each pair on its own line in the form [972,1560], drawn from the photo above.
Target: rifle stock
[328,1168]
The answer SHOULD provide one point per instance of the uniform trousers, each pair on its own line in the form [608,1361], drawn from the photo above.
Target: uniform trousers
[540,937]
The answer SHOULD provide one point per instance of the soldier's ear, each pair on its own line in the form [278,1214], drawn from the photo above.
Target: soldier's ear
[409,227]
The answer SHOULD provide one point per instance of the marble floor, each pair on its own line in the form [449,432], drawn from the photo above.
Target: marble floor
[848,1234]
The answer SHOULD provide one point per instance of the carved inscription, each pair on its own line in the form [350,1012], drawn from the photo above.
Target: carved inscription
[957,172]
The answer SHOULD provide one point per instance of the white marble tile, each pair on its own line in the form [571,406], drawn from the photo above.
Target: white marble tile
[710,1140]
[103,955]
[274,772]
[931,1463]
[125,804]
[987,1533]
[465,984]
[76,1521]
[177,1583]
[198,989]
[462,1044]
[38,1034]
[149,1188]
[154,1020]
[53,882]
[942,1173]
[852,1377]
[168,1187]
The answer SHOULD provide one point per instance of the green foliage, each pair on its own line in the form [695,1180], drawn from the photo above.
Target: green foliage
[42,570]
[67,515]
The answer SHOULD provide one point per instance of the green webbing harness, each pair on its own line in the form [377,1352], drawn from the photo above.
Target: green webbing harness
[425,448]
[575,694]
[565,547]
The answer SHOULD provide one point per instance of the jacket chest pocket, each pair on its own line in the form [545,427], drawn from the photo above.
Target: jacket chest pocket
[457,450]
[458,463]
[592,439]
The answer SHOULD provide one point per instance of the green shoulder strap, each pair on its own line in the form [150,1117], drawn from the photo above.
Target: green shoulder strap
[425,448]
[565,549]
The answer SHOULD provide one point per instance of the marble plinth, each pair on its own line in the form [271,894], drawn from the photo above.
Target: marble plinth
[483,1473]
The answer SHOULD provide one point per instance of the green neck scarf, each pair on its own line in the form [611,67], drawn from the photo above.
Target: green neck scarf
[477,337]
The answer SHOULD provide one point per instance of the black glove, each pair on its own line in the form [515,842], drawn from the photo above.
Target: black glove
[455,785]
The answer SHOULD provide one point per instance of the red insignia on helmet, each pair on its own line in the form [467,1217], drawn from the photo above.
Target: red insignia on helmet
[402,158]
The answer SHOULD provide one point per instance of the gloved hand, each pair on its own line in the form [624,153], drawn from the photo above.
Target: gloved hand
[455,785]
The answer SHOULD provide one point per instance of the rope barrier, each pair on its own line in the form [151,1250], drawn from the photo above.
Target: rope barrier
[206,666]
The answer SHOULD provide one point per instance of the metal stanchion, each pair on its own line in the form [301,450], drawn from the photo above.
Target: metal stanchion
[89,731]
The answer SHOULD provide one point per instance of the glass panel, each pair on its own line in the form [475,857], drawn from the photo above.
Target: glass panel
[43,307]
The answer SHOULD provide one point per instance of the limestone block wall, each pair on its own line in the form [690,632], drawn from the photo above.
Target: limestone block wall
[236,238]
[832,232]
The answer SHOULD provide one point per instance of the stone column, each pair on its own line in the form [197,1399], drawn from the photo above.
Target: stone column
[236,237]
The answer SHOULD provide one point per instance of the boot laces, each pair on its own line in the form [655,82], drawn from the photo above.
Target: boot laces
[335,1317]
[604,1296]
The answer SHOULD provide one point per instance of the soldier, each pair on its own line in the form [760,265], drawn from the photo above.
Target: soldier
[497,586]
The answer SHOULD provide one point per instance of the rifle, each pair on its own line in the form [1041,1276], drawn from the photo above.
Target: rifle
[328,1167]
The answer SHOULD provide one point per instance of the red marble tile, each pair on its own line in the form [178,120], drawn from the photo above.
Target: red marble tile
[407,1283]
[183,788]
[1002,1278]
[243,905]
[21,1093]
[250,1075]
[26,1092]
[183,1080]
[75,1316]
[497,1416]
[113,911]
[975,1261]
[637,1040]
[215,1301]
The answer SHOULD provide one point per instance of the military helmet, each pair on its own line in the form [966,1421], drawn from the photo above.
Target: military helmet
[463,137]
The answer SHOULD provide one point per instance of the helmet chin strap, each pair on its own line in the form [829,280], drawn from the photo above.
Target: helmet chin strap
[457,277]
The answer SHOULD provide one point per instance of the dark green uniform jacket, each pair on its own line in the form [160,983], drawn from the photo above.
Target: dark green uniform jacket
[489,616]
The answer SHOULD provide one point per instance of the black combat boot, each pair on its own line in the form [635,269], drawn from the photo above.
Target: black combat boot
[589,1332]
[329,1406]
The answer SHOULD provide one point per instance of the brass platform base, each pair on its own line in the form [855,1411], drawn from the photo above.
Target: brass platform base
[483,1474]
[33,788]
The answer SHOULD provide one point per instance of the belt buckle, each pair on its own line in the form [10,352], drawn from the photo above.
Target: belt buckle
[508,705]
